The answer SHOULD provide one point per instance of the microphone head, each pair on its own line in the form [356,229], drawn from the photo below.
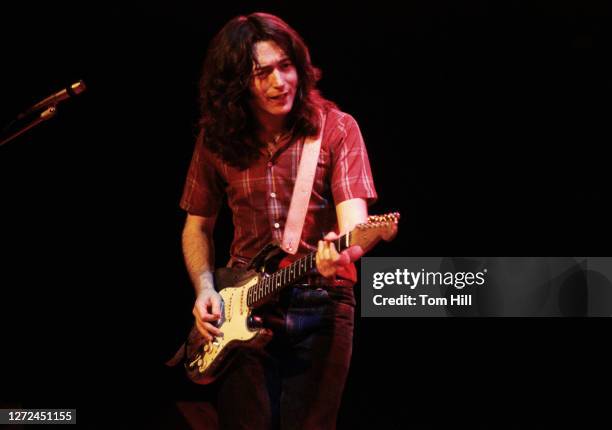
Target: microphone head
[78,87]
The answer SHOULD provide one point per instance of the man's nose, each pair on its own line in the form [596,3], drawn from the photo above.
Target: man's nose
[276,79]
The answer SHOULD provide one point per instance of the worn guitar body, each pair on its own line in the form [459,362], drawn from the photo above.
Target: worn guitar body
[241,329]
[245,290]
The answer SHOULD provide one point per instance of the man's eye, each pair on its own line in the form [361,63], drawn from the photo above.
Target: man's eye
[286,65]
[261,74]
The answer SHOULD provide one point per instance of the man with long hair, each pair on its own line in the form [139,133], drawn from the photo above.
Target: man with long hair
[259,104]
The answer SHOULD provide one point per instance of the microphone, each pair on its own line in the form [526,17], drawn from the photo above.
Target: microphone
[71,91]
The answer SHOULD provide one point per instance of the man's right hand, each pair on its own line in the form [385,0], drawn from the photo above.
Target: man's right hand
[207,310]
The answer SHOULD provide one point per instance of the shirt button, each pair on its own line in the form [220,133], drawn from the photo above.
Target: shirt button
[273,195]
[269,164]
[276,225]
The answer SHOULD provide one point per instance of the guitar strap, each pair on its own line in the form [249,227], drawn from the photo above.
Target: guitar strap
[301,192]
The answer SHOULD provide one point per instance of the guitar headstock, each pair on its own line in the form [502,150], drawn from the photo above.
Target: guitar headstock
[378,227]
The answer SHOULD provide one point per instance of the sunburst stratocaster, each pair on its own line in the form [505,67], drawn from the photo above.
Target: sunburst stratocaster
[244,290]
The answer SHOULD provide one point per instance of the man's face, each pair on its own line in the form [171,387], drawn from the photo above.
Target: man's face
[274,81]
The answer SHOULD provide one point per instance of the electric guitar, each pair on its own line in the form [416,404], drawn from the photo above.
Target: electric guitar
[245,289]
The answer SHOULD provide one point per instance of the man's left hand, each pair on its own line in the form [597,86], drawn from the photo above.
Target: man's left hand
[329,259]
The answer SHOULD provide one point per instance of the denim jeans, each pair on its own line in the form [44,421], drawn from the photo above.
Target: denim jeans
[297,381]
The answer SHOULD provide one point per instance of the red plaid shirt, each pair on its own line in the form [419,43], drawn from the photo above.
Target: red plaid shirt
[259,196]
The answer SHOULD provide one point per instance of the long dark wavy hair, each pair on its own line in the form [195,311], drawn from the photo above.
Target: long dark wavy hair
[226,122]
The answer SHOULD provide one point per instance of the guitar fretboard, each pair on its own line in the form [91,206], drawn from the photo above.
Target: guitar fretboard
[273,283]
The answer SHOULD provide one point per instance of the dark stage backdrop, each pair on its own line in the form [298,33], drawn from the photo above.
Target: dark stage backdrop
[487,128]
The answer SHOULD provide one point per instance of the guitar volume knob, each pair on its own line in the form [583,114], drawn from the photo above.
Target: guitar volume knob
[255,321]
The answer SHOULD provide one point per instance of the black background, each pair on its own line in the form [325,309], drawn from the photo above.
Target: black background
[487,128]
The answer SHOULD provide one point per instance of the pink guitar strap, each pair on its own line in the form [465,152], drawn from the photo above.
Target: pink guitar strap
[301,193]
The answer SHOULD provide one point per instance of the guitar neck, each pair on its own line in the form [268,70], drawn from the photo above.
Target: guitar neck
[275,282]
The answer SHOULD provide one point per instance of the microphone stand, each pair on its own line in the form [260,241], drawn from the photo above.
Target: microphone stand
[43,116]
[49,105]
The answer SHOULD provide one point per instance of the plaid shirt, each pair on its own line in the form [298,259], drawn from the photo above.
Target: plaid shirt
[259,196]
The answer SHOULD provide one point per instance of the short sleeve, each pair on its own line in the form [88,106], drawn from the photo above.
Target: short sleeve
[351,172]
[203,190]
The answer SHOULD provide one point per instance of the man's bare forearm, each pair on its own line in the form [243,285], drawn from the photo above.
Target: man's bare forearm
[199,253]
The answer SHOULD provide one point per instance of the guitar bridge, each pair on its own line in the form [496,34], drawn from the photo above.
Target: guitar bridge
[196,362]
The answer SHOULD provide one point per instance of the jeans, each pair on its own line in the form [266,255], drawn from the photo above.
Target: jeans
[297,380]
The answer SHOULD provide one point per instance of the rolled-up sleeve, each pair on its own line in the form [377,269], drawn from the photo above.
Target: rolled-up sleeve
[351,172]
[203,190]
